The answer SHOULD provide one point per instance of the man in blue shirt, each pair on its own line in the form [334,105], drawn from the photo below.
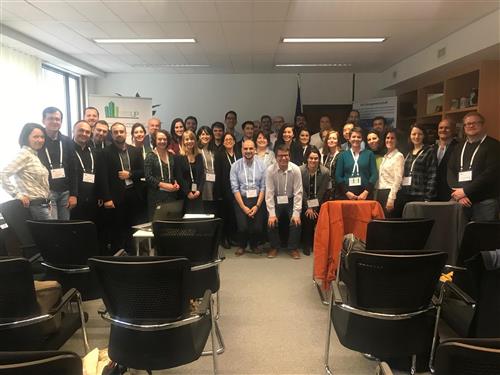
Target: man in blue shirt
[248,183]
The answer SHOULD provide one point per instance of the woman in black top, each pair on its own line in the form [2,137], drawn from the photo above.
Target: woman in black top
[189,173]
[331,151]
[159,173]
[224,159]
[304,138]
[176,129]
[285,136]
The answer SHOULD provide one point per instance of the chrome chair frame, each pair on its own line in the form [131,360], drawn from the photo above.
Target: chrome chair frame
[30,365]
[206,307]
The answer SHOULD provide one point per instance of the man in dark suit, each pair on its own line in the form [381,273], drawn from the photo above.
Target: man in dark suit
[444,148]
[123,167]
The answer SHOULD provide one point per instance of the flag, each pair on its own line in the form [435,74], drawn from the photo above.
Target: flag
[298,104]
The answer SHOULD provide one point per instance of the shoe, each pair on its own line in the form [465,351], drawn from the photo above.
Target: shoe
[239,251]
[272,253]
[295,254]
[225,244]
[257,250]
[307,251]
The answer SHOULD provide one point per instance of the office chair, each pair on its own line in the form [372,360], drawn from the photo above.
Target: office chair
[40,363]
[386,307]
[148,305]
[397,234]
[197,240]
[478,236]
[23,326]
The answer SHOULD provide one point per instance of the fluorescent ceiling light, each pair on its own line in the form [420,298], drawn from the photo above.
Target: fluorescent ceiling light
[168,40]
[170,66]
[333,40]
[310,65]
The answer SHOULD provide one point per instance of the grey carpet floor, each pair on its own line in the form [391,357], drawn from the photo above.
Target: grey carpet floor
[272,321]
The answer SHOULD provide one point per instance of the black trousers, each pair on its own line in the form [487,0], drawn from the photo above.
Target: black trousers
[249,230]
[227,213]
[308,226]
[284,214]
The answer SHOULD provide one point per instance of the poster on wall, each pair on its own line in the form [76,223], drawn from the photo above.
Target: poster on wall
[368,109]
[124,109]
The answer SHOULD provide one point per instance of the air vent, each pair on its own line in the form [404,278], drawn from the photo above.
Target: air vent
[441,52]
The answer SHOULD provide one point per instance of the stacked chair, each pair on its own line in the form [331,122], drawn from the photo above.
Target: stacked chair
[40,363]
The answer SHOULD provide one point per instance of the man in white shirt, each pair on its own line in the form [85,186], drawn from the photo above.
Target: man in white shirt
[325,123]
[284,201]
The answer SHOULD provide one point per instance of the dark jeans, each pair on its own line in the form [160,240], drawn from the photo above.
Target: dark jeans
[308,226]
[486,210]
[284,212]
[249,230]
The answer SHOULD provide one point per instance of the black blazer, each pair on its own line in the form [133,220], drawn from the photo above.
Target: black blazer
[87,191]
[112,188]
[222,188]
[183,176]
[443,189]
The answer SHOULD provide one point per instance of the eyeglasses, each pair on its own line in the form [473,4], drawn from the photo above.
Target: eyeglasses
[473,123]
[282,156]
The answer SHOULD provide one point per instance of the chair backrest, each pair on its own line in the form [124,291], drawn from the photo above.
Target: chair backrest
[197,240]
[397,234]
[393,281]
[40,363]
[15,215]
[144,289]
[468,357]
[65,242]
[17,290]
[478,236]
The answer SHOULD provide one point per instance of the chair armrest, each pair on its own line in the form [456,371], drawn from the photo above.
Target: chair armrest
[449,268]
[83,269]
[336,295]
[460,293]
[215,263]
[35,257]
[66,298]
[203,307]
[120,253]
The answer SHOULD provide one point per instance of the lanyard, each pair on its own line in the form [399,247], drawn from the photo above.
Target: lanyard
[355,168]
[205,159]
[143,152]
[246,176]
[286,181]
[168,167]
[331,161]
[315,190]
[304,152]
[413,162]
[81,161]
[229,159]
[121,161]
[60,155]
[462,154]
[190,170]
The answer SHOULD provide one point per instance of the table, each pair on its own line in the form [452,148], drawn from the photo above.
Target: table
[448,228]
[337,218]
[140,235]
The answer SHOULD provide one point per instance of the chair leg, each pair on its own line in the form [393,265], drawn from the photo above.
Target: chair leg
[217,315]
[328,371]
[212,336]
[413,369]
[322,296]
[82,320]
[220,341]
[434,336]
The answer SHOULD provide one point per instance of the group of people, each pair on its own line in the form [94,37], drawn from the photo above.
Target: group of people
[267,179]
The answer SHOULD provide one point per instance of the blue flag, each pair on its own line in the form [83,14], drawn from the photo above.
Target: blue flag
[298,105]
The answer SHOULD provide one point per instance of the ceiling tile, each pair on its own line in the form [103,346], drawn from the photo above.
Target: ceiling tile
[200,11]
[147,29]
[210,36]
[59,10]
[129,11]
[231,11]
[270,10]
[118,30]
[95,11]
[116,49]
[176,29]
[87,29]
[163,11]
[238,37]
[25,11]
[266,36]
[9,16]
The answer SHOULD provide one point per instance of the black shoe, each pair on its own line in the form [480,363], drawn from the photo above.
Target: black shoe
[307,251]
[225,244]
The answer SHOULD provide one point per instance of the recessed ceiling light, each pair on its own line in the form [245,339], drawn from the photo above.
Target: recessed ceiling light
[333,40]
[168,40]
[170,66]
[310,65]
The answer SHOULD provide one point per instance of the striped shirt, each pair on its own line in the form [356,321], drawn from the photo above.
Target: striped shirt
[30,176]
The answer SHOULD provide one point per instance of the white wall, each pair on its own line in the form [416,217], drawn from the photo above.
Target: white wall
[209,96]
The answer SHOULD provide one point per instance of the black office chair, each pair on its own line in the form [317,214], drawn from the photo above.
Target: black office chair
[65,246]
[40,363]
[197,240]
[148,305]
[23,326]
[478,236]
[397,234]
[386,308]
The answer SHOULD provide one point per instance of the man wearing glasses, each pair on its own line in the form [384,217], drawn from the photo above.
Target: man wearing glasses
[474,171]
[284,201]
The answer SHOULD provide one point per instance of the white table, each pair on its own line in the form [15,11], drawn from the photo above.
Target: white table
[141,235]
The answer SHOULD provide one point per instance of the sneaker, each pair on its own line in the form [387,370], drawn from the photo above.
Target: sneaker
[272,253]
[239,251]
[295,254]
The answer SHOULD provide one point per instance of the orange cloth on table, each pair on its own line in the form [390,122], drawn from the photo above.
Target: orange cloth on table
[337,218]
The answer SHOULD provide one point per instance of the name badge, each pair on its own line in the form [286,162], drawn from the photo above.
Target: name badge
[251,193]
[465,176]
[57,173]
[88,177]
[355,181]
[282,199]
[329,184]
[407,181]
[210,177]
[311,203]
[128,182]
[194,187]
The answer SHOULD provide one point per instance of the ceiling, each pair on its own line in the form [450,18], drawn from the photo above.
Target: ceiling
[240,36]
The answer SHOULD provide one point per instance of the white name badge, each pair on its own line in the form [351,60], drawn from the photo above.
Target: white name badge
[57,173]
[355,181]
[88,177]
[329,184]
[407,181]
[311,203]
[128,182]
[251,193]
[194,187]
[282,199]
[210,177]
[465,176]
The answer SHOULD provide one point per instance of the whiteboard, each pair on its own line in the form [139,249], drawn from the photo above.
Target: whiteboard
[125,109]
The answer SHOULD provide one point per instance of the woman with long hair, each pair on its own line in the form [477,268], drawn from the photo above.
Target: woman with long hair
[331,151]
[304,139]
[375,145]
[189,173]
[286,137]
[176,129]
[263,152]
[138,133]
[207,148]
